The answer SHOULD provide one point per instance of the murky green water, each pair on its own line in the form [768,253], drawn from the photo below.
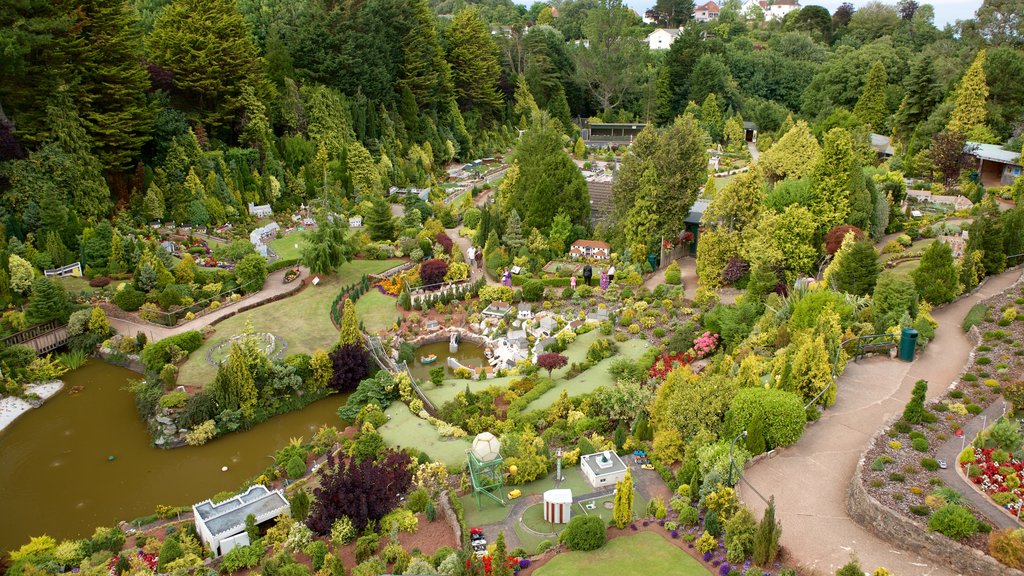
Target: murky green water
[468,355]
[55,477]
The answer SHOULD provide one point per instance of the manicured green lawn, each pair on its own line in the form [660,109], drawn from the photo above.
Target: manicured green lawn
[405,429]
[376,311]
[302,320]
[289,246]
[641,554]
[75,285]
[490,512]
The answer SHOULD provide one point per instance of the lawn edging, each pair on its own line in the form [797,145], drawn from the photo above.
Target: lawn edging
[865,510]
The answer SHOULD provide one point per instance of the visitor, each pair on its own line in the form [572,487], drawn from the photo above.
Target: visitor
[588,273]
[611,274]
[479,258]
[572,282]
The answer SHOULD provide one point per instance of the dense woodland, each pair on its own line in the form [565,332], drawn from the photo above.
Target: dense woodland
[186,111]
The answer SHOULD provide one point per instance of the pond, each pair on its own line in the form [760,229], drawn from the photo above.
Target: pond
[469,354]
[56,478]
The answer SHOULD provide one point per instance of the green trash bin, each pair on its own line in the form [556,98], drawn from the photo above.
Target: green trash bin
[908,343]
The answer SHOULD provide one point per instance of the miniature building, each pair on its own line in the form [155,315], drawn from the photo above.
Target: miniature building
[221,526]
[261,211]
[603,468]
[259,235]
[525,311]
[558,505]
[591,250]
[497,309]
[355,221]
[548,324]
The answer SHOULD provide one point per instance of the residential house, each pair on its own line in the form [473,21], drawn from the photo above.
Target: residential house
[221,525]
[525,311]
[882,145]
[497,309]
[259,236]
[996,166]
[778,9]
[750,8]
[590,250]
[650,16]
[706,12]
[355,221]
[662,38]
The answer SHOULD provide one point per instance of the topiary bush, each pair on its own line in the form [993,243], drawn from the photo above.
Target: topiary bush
[583,533]
[782,414]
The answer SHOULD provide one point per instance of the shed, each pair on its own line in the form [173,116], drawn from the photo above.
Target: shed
[750,132]
[996,166]
[221,525]
[692,223]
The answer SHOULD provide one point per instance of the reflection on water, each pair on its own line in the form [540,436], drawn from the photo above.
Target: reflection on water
[468,355]
[56,476]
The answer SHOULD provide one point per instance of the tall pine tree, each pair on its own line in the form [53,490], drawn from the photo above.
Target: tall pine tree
[473,56]
[870,108]
[969,112]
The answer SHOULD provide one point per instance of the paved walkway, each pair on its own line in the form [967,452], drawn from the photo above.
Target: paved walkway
[272,287]
[810,480]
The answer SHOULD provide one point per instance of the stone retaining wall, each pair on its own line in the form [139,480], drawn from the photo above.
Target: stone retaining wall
[891,527]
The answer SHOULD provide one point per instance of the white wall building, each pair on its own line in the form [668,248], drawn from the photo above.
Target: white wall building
[261,211]
[221,526]
[603,469]
[778,9]
[558,505]
[662,38]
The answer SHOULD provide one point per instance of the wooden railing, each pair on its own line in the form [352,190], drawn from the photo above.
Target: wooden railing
[30,333]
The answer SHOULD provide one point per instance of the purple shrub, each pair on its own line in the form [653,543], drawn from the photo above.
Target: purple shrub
[675,534]
[734,270]
[661,523]
[646,523]
[724,569]
[632,527]
[524,563]
[708,556]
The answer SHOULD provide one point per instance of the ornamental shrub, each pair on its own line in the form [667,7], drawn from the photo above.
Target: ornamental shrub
[169,552]
[954,521]
[919,444]
[533,291]
[706,543]
[781,413]
[673,275]
[584,533]
[129,299]
[242,557]
[1007,546]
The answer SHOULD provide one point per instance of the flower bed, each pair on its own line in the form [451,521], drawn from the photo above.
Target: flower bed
[391,286]
[1000,480]
[291,275]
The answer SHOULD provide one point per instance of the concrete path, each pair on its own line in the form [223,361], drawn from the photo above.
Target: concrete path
[809,480]
[755,155]
[688,270]
[272,287]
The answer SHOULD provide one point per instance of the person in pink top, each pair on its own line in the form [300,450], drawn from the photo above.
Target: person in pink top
[572,282]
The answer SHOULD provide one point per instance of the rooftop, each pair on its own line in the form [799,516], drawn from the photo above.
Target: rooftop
[696,212]
[592,244]
[231,513]
[603,463]
[993,152]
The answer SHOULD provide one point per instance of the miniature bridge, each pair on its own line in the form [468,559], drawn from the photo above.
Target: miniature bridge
[44,338]
[386,362]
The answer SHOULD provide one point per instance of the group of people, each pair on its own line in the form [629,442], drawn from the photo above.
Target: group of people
[607,277]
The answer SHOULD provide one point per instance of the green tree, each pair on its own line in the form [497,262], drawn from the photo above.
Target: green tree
[793,156]
[738,204]
[711,117]
[207,46]
[969,112]
[894,297]
[611,62]
[328,246]
[21,274]
[113,82]
[251,272]
[830,180]
[379,222]
[922,95]
[622,512]
[153,203]
[499,559]
[549,181]
[239,381]
[424,70]
[363,171]
[782,241]
[514,232]
[854,268]
[936,277]
[986,237]
[48,302]
[349,333]
[871,108]
[473,57]
[766,540]
[170,551]
[640,226]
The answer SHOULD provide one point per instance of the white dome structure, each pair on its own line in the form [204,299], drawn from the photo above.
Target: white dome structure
[486,447]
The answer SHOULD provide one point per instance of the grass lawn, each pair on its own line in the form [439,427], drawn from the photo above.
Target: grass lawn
[376,311]
[405,429]
[642,554]
[289,246]
[75,285]
[302,320]
[490,512]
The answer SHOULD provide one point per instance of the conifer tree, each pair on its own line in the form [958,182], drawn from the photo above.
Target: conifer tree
[641,223]
[830,192]
[113,82]
[207,47]
[622,512]
[514,233]
[379,222]
[499,559]
[936,278]
[870,108]
[473,57]
[349,326]
[793,156]
[424,70]
[969,112]
[711,117]
[854,268]
[153,203]
[923,94]
[48,302]
[766,539]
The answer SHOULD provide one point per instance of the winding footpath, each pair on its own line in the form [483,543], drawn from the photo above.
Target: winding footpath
[273,287]
[810,479]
